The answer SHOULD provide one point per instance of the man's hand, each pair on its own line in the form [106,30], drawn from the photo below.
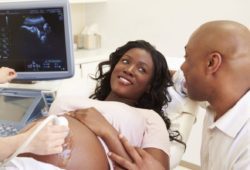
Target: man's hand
[141,160]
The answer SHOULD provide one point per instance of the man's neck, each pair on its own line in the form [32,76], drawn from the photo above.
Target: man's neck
[225,102]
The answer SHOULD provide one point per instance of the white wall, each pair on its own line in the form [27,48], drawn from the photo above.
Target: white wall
[77,18]
[165,23]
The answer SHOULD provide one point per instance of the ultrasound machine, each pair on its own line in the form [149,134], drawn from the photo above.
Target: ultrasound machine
[36,41]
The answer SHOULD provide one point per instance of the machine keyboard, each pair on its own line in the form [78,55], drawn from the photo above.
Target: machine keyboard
[7,130]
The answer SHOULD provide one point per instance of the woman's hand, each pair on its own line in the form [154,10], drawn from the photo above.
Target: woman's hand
[102,128]
[48,141]
[141,160]
[94,120]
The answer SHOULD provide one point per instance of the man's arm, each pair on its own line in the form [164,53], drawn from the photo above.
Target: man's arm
[141,160]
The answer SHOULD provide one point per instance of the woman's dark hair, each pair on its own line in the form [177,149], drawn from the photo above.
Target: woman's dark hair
[156,97]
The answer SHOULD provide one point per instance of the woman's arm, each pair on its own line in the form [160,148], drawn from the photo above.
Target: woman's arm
[172,72]
[102,128]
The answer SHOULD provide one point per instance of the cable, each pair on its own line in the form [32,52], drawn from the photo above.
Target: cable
[30,138]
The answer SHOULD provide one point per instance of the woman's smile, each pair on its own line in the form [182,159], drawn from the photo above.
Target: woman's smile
[124,81]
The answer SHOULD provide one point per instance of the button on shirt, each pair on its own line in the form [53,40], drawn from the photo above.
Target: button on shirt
[226,142]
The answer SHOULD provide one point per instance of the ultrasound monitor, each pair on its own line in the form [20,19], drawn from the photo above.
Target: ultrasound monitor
[36,39]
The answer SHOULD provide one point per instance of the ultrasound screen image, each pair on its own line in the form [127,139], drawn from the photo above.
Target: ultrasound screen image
[33,39]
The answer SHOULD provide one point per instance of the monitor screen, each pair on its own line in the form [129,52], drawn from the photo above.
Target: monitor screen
[36,40]
[13,108]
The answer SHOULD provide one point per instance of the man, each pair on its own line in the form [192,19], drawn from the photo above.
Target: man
[216,69]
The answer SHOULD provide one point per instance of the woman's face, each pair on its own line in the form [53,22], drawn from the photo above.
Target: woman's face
[132,74]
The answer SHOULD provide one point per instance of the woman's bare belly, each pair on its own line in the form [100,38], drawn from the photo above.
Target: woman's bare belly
[82,152]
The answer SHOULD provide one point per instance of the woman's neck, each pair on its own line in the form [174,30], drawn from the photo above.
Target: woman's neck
[114,97]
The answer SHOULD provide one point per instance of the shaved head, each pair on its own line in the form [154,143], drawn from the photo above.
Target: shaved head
[229,38]
[217,65]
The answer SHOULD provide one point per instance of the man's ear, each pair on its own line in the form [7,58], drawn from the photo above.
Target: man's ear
[214,62]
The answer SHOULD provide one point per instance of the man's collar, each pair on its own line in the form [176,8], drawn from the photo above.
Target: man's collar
[235,118]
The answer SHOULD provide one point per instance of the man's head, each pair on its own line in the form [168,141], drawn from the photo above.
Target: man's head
[217,60]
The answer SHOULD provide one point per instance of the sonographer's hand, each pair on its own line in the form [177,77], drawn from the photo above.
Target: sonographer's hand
[48,141]
[7,74]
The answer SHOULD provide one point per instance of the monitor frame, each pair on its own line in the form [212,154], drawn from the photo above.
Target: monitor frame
[47,75]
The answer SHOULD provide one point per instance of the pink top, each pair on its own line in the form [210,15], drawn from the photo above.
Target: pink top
[142,127]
